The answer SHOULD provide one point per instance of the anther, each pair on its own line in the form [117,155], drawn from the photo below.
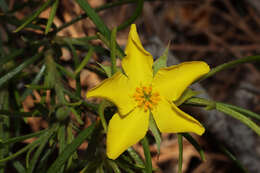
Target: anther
[146,98]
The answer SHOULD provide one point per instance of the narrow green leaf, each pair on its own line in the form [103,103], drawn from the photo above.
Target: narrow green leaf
[102,7]
[161,62]
[22,138]
[196,101]
[14,21]
[247,121]
[231,64]
[137,12]
[92,166]
[138,160]
[96,20]
[100,168]
[65,71]
[195,145]
[18,69]
[35,158]
[243,111]
[227,110]
[101,108]
[114,166]
[12,55]
[61,138]
[156,133]
[70,138]
[36,80]
[126,166]
[74,104]
[43,162]
[188,93]
[50,78]
[4,127]
[17,98]
[107,69]
[2,51]
[70,149]
[107,43]
[147,154]
[34,16]
[77,116]
[21,151]
[19,167]
[94,17]
[113,50]
[28,155]
[85,60]
[52,15]
[234,159]
[180,152]
[70,44]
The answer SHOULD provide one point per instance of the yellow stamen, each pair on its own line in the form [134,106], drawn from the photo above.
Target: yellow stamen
[146,98]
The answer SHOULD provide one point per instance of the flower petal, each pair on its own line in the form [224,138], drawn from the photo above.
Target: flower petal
[172,81]
[117,90]
[138,62]
[170,119]
[124,132]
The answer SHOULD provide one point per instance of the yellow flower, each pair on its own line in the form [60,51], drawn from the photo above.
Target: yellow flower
[138,94]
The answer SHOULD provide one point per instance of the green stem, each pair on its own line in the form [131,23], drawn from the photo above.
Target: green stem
[85,60]
[101,109]
[113,50]
[180,152]
[148,161]
[230,65]
[191,140]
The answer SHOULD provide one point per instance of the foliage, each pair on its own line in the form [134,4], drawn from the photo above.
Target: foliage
[30,61]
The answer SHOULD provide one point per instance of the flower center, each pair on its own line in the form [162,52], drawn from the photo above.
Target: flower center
[146,98]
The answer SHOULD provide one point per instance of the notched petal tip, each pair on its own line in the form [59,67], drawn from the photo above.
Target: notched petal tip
[90,93]
[205,67]
[170,119]
[134,40]
[109,88]
[172,81]
[125,132]
[200,130]
[137,63]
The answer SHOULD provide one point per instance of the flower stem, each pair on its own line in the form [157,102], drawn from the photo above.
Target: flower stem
[230,65]
[113,50]
[180,152]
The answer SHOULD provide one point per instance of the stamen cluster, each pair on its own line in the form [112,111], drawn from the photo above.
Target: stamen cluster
[146,98]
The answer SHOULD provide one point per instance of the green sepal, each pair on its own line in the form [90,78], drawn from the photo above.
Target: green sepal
[161,62]
[156,133]
[107,69]
[187,94]
[147,154]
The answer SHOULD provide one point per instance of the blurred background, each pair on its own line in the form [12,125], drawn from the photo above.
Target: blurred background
[215,31]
